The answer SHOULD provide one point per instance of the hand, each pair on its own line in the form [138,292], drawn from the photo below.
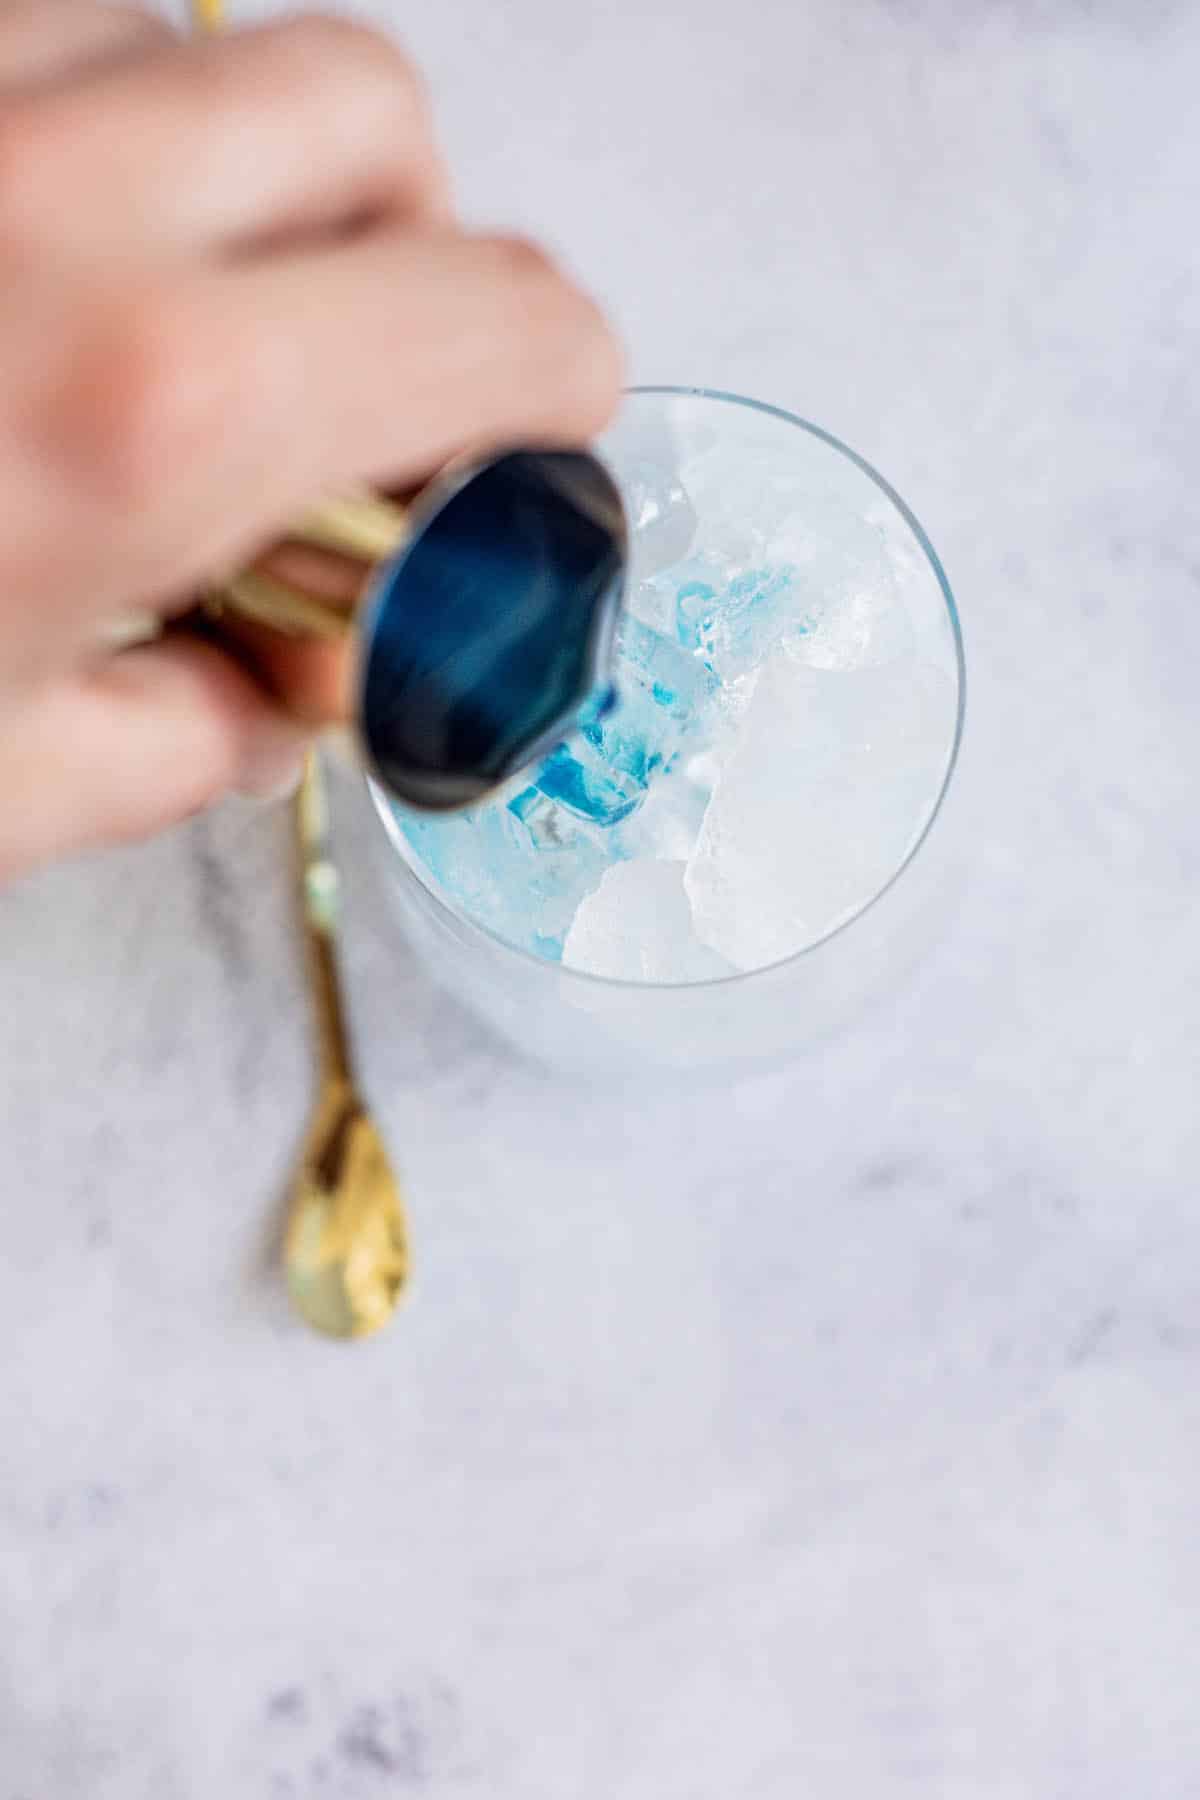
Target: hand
[230,282]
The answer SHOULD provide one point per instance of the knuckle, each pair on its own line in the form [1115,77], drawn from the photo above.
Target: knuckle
[571,360]
[31,140]
[519,259]
[577,359]
[133,405]
[325,34]
[135,22]
[325,40]
[593,368]
[212,776]
[367,90]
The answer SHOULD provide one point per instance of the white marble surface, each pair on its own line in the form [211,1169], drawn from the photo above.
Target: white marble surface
[839,1436]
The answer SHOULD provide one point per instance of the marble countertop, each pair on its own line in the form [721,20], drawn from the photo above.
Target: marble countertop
[840,1437]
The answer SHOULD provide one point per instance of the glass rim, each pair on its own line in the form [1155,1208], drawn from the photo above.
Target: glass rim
[548,969]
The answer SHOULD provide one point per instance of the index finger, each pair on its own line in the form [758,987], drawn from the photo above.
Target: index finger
[197,145]
[192,433]
[41,40]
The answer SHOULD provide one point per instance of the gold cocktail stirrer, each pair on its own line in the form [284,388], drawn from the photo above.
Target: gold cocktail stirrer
[346,1250]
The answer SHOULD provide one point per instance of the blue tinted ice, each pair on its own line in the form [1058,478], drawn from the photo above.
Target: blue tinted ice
[602,774]
[579,780]
[520,867]
[731,624]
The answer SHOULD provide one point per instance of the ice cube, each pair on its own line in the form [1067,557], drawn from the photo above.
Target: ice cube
[854,625]
[850,613]
[815,571]
[656,601]
[667,824]
[637,926]
[662,519]
[661,516]
[653,664]
[519,866]
[586,783]
[602,772]
[831,779]
[653,603]
[732,624]
[742,501]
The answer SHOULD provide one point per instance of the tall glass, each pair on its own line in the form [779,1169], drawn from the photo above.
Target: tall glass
[763,468]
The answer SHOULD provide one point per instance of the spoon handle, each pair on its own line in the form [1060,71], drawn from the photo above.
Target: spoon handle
[319,895]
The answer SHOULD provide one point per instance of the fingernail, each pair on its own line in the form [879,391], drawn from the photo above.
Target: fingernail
[341,743]
[272,795]
[128,630]
[273,772]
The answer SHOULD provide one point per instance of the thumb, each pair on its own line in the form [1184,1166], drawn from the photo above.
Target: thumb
[136,744]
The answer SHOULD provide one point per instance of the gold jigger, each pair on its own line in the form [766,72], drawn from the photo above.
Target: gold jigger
[361,530]
[482,613]
[357,534]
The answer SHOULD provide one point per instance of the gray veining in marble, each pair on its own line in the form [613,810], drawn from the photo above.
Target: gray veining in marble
[840,1438]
